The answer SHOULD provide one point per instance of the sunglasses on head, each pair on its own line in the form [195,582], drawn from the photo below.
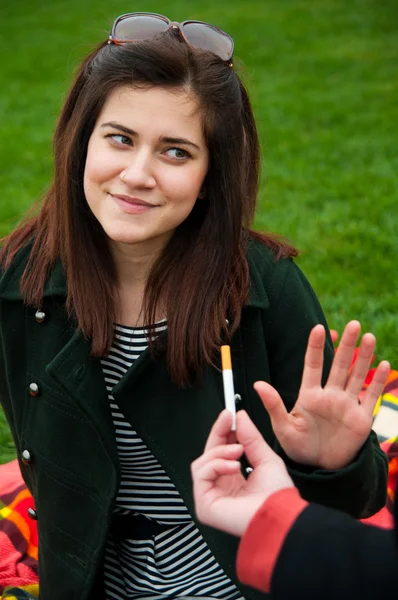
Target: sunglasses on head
[197,34]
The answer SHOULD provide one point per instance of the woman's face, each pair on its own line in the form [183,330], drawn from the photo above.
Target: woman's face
[145,166]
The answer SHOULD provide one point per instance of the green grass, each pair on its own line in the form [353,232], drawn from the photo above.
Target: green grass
[323,80]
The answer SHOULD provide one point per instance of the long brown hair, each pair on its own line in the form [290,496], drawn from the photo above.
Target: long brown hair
[201,277]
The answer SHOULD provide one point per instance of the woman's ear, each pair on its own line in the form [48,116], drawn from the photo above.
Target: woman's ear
[202,193]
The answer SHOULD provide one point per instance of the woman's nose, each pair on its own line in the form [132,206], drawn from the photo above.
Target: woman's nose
[138,173]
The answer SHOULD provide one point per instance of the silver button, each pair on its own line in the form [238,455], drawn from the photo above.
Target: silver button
[26,457]
[32,514]
[249,470]
[40,316]
[33,389]
[238,398]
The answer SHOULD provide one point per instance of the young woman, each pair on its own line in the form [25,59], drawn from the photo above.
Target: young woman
[114,301]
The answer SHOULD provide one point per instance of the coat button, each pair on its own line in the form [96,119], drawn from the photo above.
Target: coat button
[26,457]
[32,514]
[40,316]
[33,389]
[238,398]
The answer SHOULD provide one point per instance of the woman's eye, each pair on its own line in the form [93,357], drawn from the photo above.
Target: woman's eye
[177,153]
[119,138]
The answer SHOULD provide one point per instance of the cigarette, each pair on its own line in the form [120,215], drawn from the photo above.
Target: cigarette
[228,380]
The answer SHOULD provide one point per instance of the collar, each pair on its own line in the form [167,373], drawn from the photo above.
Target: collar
[261,266]
[10,278]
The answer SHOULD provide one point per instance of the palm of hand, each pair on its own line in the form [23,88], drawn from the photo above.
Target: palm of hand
[327,426]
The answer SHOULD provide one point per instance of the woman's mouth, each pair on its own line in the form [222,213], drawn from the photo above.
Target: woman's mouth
[132,205]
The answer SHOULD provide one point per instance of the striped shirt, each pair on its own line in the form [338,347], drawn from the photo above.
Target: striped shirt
[177,561]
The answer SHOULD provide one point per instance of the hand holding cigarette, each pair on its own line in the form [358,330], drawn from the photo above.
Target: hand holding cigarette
[224,497]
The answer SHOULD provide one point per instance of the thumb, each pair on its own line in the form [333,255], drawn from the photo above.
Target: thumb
[219,433]
[273,403]
[254,446]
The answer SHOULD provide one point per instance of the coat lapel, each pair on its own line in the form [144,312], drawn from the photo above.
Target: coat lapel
[81,376]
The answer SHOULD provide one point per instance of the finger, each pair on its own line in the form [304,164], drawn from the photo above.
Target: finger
[334,335]
[255,447]
[272,402]
[343,357]
[362,364]
[229,452]
[313,361]
[205,477]
[219,433]
[376,387]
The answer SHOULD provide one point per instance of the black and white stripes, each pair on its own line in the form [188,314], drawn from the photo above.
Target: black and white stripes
[177,561]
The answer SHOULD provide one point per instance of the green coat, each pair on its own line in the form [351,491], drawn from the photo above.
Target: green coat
[72,468]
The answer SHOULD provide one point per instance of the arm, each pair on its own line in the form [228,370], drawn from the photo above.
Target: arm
[292,548]
[359,486]
[358,489]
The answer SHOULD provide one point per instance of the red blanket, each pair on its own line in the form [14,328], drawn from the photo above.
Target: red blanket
[18,535]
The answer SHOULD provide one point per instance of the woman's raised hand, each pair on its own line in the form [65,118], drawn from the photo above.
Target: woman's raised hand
[328,425]
[223,497]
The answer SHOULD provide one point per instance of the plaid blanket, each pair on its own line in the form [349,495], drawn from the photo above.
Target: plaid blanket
[18,536]
[18,533]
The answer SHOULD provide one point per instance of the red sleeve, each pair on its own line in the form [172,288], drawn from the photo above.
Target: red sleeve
[263,539]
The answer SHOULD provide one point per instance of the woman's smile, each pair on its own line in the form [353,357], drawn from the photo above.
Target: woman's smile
[131,205]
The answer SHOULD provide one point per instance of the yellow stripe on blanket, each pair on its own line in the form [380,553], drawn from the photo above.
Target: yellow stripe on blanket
[5,512]
[389,398]
[26,592]
[376,408]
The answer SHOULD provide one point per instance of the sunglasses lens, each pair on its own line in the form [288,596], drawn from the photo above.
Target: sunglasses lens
[206,37]
[139,27]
